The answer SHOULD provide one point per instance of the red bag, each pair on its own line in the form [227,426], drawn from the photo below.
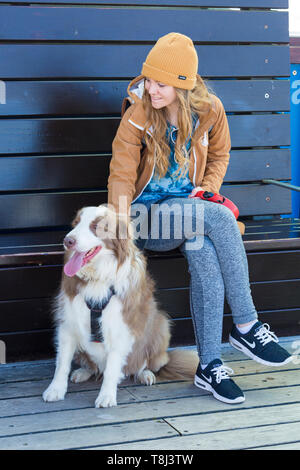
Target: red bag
[214,197]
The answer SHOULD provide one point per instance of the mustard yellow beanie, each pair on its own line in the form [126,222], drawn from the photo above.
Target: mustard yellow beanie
[173,61]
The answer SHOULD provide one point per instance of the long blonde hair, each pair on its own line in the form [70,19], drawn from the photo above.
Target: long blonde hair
[196,101]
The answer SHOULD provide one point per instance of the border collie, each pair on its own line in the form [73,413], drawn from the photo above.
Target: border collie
[105,278]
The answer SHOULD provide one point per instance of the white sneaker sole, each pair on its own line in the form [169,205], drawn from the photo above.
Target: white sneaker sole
[237,345]
[205,386]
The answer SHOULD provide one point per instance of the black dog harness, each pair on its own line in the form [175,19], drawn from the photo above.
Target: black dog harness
[96,309]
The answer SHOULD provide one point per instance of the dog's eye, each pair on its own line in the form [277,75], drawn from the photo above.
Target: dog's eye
[93,227]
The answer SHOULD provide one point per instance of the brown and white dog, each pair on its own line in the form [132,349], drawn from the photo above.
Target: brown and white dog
[102,267]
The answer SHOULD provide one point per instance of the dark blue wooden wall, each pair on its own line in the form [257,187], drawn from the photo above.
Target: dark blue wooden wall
[64,69]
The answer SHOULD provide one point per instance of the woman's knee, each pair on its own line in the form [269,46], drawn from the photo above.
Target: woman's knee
[217,214]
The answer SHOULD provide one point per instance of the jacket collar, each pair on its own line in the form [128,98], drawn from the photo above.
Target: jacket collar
[135,89]
[135,92]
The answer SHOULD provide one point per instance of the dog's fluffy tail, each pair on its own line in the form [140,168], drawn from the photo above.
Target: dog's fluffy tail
[182,365]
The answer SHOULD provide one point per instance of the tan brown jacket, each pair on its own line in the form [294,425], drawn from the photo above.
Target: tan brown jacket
[130,171]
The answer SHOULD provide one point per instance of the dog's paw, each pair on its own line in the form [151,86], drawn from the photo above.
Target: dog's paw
[147,377]
[80,375]
[54,393]
[105,400]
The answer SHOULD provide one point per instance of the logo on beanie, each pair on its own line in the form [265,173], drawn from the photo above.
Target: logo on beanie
[182,77]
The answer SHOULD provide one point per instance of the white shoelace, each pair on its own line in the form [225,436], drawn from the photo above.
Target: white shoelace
[264,335]
[221,372]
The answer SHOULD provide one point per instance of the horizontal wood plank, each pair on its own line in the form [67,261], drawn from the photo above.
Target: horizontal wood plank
[35,173]
[95,135]
[35,404]
[267,296]
[72,440]
[104,97]
[255,165]
[127,24]
[26,314]
[46,209]
[266,269]
[203,3]
[256,199]
[30,378]
[78,61]
[32,345]
[252,95]
[256,130]
[227,440]
[171,272]
[265,4]
[54,172]
[235,419]
[44,247]
[58,209]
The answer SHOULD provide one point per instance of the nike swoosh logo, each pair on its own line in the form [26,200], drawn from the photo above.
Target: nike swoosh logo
[209,379]
[251,345]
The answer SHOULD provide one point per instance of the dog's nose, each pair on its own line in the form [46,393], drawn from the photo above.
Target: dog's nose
[69,242]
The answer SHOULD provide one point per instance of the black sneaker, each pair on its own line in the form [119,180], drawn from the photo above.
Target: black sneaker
[260,344]
[216,380]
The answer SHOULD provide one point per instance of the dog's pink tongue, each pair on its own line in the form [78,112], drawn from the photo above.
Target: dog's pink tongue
[74,264]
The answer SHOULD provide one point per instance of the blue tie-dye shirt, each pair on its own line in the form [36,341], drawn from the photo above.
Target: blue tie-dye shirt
[169,185]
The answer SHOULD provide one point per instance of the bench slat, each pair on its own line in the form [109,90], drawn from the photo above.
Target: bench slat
[254,165]
[206,3]
[82,60]
[44,247]
[58,209]
[105,97]
[128,24]
[91,171]
[46,136]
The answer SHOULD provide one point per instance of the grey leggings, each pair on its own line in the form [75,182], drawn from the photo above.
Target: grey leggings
[217,262]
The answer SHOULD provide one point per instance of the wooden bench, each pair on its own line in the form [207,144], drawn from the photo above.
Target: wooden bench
[64,74]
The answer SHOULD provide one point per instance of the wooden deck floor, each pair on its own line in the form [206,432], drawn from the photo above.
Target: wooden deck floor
[165,416]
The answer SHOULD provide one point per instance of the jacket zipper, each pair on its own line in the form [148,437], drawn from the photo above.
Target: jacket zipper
[195,167]
[145,185]
[141,128]
[195,160]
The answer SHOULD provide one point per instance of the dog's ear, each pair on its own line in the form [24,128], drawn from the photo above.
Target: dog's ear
[114,225]
[117,233]
[105,226]
[124,238]
[121,250]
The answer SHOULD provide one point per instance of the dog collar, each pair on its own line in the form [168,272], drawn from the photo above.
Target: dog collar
[96,309]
